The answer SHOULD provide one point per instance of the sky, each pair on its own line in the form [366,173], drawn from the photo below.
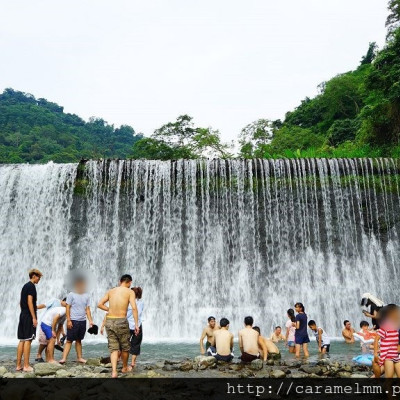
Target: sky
[143,63]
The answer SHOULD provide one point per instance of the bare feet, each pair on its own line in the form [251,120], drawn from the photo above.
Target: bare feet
[62,362]
[18,368]
[125,370]
[114,375]
[133,365]
[81,360]
[28,369]
[53,362]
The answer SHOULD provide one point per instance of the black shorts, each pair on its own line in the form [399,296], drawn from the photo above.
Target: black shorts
[227,358]
[26,330]
[326,346]
[136,341]
[77,332]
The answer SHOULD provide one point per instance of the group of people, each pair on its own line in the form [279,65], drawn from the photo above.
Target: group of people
[122,322]
[253,345]
[123,306]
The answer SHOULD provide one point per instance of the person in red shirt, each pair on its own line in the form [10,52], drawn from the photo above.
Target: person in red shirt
[388,340]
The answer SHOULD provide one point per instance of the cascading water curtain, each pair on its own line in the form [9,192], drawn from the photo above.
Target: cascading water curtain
[209,237]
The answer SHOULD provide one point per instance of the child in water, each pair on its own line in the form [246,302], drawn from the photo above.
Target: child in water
[323,340]
[387,340]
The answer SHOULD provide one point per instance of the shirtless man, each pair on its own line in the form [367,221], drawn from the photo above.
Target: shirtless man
[223,342]
[265,345]
[248,341]
[277,335]
[208,331]
[117,326]
[348,332]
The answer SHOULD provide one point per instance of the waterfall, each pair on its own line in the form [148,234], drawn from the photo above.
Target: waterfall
[206,237]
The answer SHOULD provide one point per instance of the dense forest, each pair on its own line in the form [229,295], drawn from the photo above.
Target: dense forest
[355,114]
[37,130]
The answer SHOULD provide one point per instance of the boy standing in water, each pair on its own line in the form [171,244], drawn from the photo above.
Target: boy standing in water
[323,340]
[77,311]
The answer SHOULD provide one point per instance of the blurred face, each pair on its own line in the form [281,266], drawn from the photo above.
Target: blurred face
[348,325]
[365,327]
[313,327]
[80,286]
[36,279]
[212,323]
[278,331]
[394,318]
[297,308]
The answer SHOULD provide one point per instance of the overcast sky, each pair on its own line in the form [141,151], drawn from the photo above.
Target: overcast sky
[143,63]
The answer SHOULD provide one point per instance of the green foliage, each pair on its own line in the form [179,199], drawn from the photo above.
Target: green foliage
[356,114]
[181,139]
[36,130]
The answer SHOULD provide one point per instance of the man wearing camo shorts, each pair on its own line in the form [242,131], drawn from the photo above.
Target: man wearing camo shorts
[117,326]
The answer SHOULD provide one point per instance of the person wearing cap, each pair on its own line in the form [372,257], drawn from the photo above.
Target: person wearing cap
[371,301]
[208,331]
[28,320]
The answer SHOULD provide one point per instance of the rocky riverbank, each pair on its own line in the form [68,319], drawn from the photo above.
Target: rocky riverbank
[199,367]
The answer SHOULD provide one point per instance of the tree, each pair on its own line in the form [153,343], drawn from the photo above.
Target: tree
[393,19]
[191,141]
[371,54]
[254,137]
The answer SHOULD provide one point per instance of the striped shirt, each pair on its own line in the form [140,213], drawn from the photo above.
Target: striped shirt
[388,345]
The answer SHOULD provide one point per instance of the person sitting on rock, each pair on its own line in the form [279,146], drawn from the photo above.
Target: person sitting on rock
[208,331]
[263,344]
[277,335]
[348,332]
[223,342]
[248,341]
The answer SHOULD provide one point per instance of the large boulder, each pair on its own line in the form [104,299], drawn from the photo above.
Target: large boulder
[46,369]
[3,370]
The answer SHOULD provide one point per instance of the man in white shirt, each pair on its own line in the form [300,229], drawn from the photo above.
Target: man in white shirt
[52,321]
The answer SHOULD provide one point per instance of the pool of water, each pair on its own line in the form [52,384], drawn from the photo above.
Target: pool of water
[152,352]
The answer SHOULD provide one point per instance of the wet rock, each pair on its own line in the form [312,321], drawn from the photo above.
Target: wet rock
[8,375]
[343,374]
[308,369]
[324,361]
[153,374]
[277,374]
[358,376]
[298,374]
[186,366]
[3,370]
[270,362]
[46,369]
[236,367]
[171,367]
[101,370]
[63,373]
[256,365]
[205,361]
[274,356]
[94,362]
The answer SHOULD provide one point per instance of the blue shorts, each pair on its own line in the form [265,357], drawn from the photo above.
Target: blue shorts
[77,332]
[46,330]
[302,339]
[291,343]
